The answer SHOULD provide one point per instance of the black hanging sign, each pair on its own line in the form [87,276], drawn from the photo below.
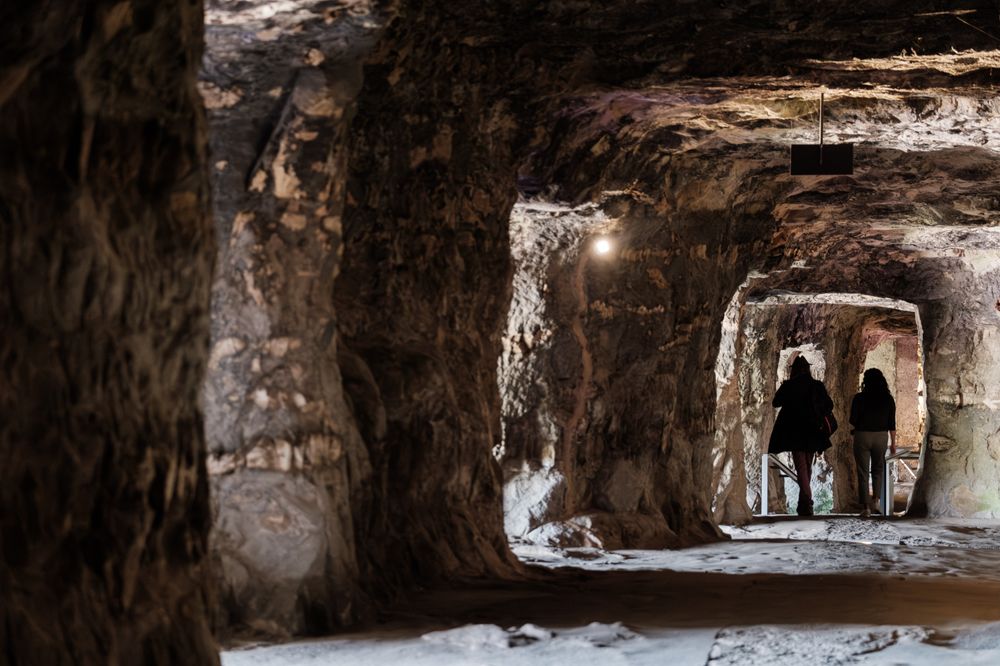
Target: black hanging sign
[819,159]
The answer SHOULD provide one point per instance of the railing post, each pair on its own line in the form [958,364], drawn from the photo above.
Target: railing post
[887,491]
[764,460]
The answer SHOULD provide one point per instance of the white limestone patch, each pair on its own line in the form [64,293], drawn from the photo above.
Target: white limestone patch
[529,497]
[833,298]
[984,637]
[595,644]
[472,637]
[477,637]
[795,547]
[945,532]
[613,644]
[780,646]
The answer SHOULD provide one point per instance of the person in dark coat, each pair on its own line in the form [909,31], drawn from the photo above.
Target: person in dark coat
[802,401]
[873,415]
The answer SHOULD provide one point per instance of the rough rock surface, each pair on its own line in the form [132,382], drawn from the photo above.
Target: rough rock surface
[540,365]
[446,120]
[424,281]
[834,332]
[423,289]
[289,468]
[106,253]
[921,204]
[360,429]
[634,333]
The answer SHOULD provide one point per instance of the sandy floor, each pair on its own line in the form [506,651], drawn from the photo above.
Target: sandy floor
[823,591]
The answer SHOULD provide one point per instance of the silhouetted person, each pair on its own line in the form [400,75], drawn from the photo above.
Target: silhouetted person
[873,415]
[803,401]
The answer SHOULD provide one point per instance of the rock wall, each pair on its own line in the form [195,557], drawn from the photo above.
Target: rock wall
[107,253]
[910,403]
[288,465]
[540,362]
[458,105]
[961,463]
[359,433]
[957,313]
[629,340]
[842,328]
[381,408]
[908,216]
[423,289]
[684,248]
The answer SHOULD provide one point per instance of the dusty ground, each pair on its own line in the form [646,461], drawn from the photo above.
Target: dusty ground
[826,591]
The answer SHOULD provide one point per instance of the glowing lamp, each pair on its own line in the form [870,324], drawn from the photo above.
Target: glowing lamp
[602,246]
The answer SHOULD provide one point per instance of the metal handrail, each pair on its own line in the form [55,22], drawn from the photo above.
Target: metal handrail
[783,467]
[888,494]
[905,454]
[767,461]
[907,468]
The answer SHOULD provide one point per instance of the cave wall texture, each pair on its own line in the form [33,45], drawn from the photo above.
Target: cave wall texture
[955,293]
[842,328]
[106,249]
[634,337]
[453,109]
[287,462]
[914,223]
[424,287]
[364,166]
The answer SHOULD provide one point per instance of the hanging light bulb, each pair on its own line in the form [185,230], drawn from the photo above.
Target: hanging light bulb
[602,246]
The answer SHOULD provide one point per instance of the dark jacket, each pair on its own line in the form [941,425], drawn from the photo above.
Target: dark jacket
[873,413]
[803,400]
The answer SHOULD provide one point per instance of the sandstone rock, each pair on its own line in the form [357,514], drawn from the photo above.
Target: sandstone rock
[272,536]
[606,530]
[368,209]
[276,404]
[106,262]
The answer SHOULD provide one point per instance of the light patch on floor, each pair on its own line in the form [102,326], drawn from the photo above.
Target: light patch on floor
[612,644]
[840,545]
[837,545]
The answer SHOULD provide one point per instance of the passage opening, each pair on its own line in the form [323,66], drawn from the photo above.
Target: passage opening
[840,335]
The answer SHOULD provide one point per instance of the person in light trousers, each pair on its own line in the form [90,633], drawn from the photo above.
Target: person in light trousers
[873,415]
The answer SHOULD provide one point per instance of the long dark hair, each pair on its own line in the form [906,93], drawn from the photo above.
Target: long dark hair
[800,366]
[874,386]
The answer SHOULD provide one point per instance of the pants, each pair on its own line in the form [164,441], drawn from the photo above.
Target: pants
[803,470]
[869,452]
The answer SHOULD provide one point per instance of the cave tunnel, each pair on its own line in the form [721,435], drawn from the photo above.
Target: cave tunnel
[840,335]
[344,331]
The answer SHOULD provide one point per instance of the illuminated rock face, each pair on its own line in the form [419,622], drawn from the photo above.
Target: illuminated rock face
[837,330]
[106,262]
[286,458]
[954,294]
[605,390]
[364,167]
[912,224]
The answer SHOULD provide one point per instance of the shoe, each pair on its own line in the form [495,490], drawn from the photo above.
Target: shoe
[866,513]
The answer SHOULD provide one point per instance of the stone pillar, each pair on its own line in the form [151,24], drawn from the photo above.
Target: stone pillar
[424,290]
[960,473]
[289,468]
[107,253]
